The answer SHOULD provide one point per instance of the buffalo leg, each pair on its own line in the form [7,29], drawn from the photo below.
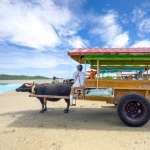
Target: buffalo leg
[68,104]
[43,103]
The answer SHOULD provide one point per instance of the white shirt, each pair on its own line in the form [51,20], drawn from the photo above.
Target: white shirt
[78,79]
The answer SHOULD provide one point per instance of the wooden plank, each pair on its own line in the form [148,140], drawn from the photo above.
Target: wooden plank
[146,92]
[98,98]
[128,84]
[45,100]
[49,96]
[130,88]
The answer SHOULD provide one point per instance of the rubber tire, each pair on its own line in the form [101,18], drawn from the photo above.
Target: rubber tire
[125,119]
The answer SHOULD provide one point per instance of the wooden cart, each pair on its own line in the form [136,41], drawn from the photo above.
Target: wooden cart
[131,96]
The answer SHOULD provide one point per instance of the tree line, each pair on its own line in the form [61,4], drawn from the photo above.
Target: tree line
[20,77]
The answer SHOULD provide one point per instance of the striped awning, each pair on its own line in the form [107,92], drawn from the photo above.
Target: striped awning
[112,57]
[109,51]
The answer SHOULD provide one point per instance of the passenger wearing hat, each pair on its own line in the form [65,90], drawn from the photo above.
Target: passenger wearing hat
[55,80]
[78,77]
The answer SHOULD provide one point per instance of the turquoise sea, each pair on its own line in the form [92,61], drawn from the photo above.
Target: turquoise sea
[7,87]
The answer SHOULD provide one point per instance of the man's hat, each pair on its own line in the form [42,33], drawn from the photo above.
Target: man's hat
[54,78]
[80,67]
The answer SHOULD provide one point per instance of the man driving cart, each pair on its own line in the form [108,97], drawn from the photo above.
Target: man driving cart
[78,77]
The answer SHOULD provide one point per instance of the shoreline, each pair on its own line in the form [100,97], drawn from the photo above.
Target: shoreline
[27,81]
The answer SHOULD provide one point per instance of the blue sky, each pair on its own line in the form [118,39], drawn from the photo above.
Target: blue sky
[35,35]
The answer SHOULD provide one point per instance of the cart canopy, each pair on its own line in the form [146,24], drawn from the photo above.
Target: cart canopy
[112,57]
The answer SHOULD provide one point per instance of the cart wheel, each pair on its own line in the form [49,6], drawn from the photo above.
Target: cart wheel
[134,110]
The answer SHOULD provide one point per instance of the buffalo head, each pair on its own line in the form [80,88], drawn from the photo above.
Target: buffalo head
[26,87]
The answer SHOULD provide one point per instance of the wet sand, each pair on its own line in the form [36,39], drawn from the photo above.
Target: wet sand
[88,126]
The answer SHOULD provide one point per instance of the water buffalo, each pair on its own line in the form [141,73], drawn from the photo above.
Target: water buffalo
[60,89]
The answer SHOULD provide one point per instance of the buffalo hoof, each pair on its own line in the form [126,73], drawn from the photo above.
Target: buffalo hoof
[43,110]
[66,110]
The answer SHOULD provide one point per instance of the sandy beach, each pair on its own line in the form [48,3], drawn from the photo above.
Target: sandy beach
[88,126]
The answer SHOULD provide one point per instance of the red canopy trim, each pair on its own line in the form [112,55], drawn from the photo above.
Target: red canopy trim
[112,51]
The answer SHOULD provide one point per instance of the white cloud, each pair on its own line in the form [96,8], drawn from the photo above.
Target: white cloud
[141,19]
[110,31]
[138,13]
[144,26]
[140,35]
[124,19]
[33,59]
[146,5]
[35,24]
[42,25]
[144,43]
[77,42]
[119,41]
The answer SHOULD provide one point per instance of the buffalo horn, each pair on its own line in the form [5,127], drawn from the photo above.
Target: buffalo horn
[28,85]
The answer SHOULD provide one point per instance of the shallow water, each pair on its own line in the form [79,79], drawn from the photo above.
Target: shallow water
[7,87]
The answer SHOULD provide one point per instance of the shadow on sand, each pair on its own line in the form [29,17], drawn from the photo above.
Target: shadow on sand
[105,118]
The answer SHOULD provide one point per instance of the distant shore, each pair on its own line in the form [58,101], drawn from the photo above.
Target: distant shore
[27,81]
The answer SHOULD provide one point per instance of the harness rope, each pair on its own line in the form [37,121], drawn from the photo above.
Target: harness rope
[33,89]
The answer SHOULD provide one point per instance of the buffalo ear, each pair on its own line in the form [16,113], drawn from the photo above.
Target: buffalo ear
[28,85]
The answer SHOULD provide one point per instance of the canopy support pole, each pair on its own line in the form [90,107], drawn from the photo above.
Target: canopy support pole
[98,70]
[85,70]
[147,72]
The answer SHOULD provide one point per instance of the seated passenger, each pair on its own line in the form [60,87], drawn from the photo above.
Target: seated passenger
[140,75]
[92,74]
[55,80]
[131,77]
[126,77]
